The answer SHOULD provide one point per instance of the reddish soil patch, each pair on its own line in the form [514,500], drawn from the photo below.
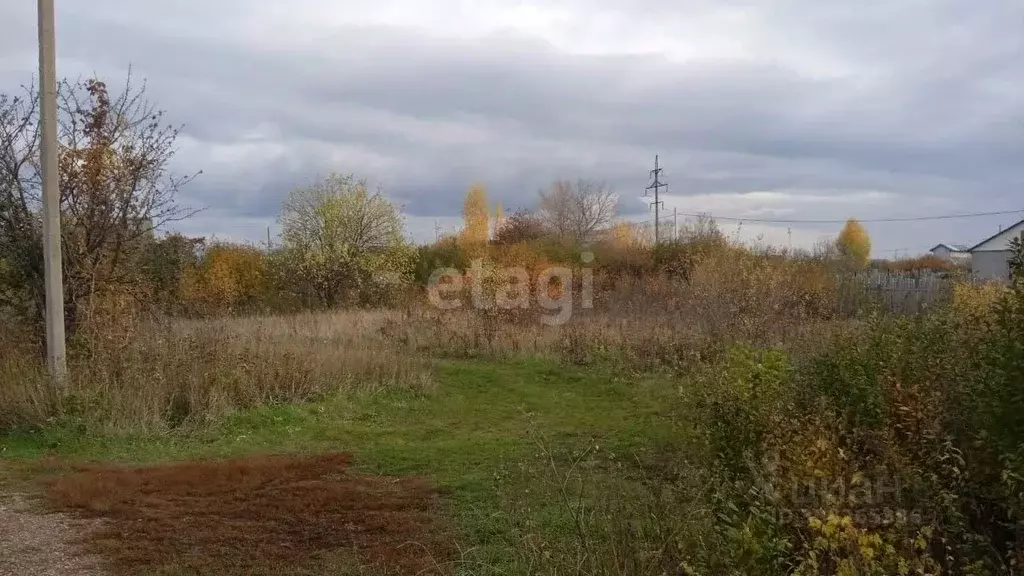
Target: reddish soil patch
[260,515]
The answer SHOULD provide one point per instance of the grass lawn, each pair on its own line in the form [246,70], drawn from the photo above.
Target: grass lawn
[488,437]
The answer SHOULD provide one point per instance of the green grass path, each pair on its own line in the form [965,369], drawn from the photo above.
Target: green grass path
[484,425]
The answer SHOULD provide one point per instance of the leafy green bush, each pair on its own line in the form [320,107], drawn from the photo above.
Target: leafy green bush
[742,400]
[897,450]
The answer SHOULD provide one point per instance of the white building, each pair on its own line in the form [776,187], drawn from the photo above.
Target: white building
[955,253]
[990,259]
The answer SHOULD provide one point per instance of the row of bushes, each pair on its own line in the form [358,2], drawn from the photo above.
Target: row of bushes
[188,276]
[656,307]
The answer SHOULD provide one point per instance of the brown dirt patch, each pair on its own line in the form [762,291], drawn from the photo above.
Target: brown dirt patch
[277,515]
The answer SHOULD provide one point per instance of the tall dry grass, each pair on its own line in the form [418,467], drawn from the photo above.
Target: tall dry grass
[648,319]
[161,375]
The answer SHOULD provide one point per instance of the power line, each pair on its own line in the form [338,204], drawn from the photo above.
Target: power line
[896,251]
[843,221]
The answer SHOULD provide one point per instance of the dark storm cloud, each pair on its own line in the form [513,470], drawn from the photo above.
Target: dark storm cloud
[930,108]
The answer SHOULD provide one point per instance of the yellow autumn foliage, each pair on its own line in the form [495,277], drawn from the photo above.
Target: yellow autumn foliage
[476,215]
[854,243]
[974,302]
[229,277]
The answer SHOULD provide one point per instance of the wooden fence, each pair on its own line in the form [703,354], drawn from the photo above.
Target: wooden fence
[896,292]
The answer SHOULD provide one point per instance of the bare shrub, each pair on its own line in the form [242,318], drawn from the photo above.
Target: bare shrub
[577,211]
[116,190]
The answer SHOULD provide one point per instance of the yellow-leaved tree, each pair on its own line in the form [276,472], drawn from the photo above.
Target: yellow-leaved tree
[854,243]
[476,216]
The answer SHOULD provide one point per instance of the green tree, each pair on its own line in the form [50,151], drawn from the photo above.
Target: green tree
[343,244]
[165,263]
[1017,261]
[854,244]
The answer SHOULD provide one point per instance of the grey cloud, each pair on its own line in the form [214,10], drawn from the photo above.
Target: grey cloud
[932,109]
[569,97]
[757,109]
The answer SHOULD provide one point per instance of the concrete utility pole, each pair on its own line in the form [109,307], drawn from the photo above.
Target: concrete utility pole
[54,277]
[675,223]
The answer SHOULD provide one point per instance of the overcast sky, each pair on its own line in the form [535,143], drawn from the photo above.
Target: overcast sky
[794,109]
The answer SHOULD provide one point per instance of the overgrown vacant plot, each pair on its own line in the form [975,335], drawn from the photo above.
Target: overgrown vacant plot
[255,515]
[485,437]
[626,442]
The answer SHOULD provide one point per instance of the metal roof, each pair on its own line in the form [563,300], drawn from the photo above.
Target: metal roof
[972,248]
[952,247]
